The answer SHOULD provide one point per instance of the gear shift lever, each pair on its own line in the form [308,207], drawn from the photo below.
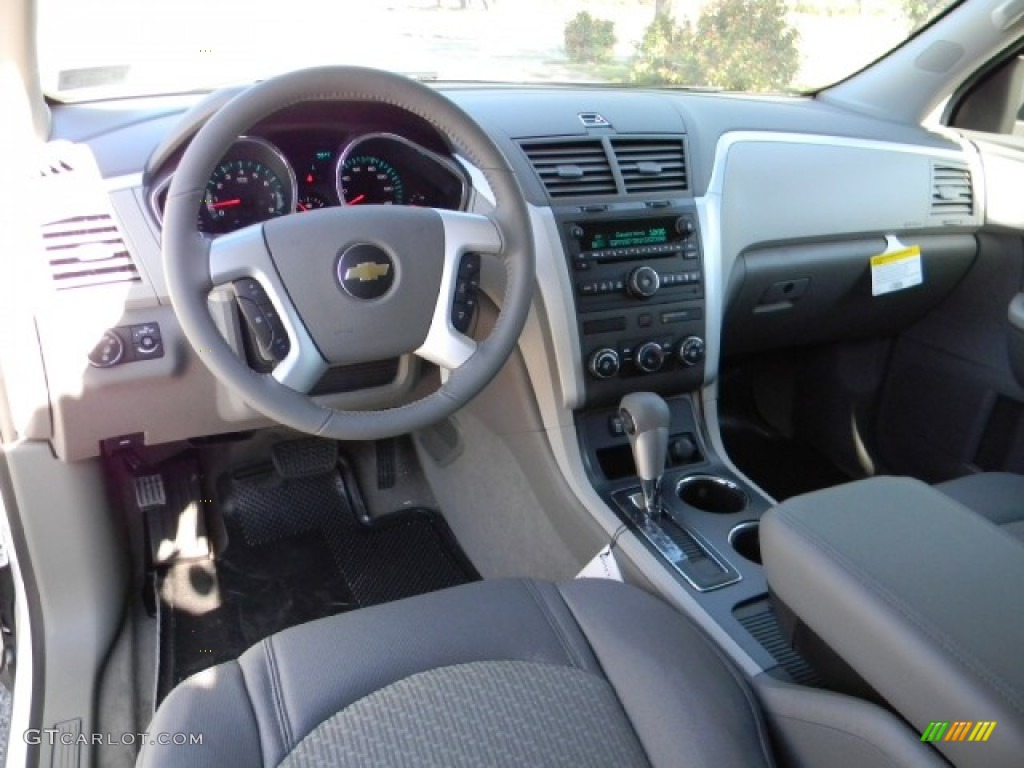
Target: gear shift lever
[645,417]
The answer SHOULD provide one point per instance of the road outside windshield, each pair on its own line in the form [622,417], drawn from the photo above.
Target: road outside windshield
[127,47]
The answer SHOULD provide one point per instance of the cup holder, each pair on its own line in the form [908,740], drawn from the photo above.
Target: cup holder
[712,494]
[746,540]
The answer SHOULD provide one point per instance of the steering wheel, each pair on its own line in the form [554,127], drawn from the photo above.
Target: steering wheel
[350,284]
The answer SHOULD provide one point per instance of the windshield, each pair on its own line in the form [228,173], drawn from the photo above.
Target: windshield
[127,47]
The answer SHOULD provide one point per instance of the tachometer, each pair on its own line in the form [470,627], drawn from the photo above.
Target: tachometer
[253,183]
[366,179]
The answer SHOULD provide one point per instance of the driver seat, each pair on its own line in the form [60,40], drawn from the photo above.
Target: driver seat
[495,673]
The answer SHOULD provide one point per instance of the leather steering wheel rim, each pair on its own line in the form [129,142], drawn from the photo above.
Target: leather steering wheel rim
[193,262]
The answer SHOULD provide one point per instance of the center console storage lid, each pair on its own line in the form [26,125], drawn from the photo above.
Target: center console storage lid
[920,595]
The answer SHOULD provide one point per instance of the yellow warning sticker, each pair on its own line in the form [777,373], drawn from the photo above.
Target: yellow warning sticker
[896,270]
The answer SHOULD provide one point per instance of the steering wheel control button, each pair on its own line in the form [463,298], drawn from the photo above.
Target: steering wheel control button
[469,266]
[108,352]
[251,289]
[467,292]
[262,319]
[258,324]
[365,271]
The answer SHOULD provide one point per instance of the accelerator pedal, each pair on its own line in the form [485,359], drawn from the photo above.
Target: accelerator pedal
[305,457]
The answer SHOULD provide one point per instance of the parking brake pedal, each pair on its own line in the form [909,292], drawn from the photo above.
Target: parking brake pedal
[305,457]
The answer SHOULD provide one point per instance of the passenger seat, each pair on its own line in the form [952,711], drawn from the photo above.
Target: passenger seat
[997,496]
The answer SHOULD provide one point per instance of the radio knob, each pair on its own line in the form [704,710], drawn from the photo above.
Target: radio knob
[684,225]
[650,357]
[691,350]
[644,282]
[604,363]
[576,231]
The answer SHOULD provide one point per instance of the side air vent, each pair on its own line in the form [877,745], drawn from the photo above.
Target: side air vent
[652,165]
[81,239]
[54,166]
[87,250]
[952,194]
[571,168]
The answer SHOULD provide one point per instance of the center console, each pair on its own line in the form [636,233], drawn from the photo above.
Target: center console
[638,277]
[638,280]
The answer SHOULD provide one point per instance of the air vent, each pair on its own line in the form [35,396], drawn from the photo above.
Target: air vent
[651,165]
[572,168]
[81,239]
[87,250]
[952,194]
[54,166]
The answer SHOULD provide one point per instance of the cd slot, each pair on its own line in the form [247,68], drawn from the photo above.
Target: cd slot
[610,255]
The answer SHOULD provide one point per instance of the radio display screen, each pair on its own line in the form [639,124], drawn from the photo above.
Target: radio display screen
[601,235]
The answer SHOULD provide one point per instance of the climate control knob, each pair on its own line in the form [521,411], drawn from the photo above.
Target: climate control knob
[644,282]
[691,350]
[650,357]
[604,363]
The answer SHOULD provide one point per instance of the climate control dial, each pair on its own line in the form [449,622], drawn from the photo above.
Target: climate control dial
[604,363]
[691,350]
[650,357]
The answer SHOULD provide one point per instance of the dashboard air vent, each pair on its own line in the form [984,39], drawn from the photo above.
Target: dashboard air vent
[87,250]
[81,239]
[952,194]
[571,168]
[652,164]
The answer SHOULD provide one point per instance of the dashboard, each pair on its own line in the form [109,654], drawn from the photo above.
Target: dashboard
[688,225]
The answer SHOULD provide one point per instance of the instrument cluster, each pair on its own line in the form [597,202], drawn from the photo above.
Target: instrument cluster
[292,171]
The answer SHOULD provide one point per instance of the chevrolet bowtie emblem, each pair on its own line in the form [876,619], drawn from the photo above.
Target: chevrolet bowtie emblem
[367,270]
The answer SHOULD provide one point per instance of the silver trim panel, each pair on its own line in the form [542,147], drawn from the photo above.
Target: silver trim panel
[463,233]
[666,546]
[243,253]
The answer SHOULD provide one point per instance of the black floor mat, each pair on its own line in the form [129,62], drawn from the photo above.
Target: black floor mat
[297,551]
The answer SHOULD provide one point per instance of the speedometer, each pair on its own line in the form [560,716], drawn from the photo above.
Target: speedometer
[253,183]
[366,179]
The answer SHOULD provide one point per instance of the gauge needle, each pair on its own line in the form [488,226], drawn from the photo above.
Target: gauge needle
[302,207]
[227,203]
[356,200]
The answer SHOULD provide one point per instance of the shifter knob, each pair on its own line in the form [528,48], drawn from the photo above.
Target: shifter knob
[645,417]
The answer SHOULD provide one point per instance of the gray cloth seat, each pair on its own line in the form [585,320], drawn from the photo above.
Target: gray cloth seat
[996,496]
[496,673]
